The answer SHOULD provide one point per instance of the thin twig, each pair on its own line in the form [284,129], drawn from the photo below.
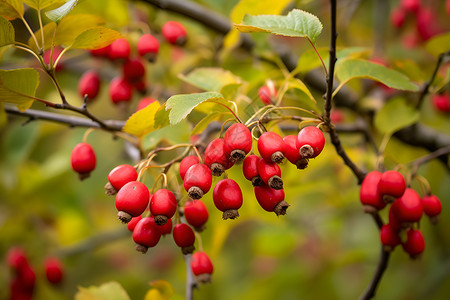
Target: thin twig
[424,159]
[369,293]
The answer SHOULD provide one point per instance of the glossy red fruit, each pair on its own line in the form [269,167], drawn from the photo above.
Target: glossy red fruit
[197,180]
[196,214]
[132,224]
[216,158]
[54,270]
[398,16]
[83,160]
[267,94]
[412,6]
[18,291]
[148,47]
[202,267]
[250,170]
[370,198]
[408,208]
[186,163]
[133,70]
[389,237]
[27,278]
[310,141]
[166,228]
[56,52]
[120,90]
[89,85]
[291,152]
[163,206]
[271,147]
[184,237]
[394,222]
[227,197]
[174,32]
[415,243]
[144,102]
[16,258]
[119,176]
[271,199]
[432,207]
[131,200]
[146,234]
[101,52]
[270,174]
[392,185]
[441,102]
[119,49]
[238,141]
[141,86]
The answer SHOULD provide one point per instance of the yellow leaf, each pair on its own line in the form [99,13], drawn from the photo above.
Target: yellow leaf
[142,121]
[11,9]
[161,290]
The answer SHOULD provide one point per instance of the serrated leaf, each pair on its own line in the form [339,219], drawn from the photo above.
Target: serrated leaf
[40,4]
[95,38]
[357,68]
[295,83]
[438,44]
[11,9]
[210,79]
[181,105]
[203,123]
[142,121]
[7,36]
[107,291]
[57,14]
[297,23]
[395,115]
[19,86]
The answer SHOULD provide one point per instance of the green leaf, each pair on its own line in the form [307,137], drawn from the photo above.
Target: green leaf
[176,134]
[40,4]
[3,116]
[394,115]
[72,26]
[181,105]
[19,86]
[142,121]
[95,38]
[11,9]
[49,30]
[438,44]
[7,36]
[107,291]
[203,123]
[297,23]
[60,12]
[357,68]
[210,79]
[295,83]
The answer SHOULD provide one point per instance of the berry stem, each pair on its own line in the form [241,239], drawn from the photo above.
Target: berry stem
[232,112]
[321,60]
[86,134]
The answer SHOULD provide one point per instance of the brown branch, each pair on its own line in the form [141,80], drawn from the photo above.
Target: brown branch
[424,159]
[369,293]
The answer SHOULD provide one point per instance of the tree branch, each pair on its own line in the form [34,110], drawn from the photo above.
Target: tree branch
[382,265]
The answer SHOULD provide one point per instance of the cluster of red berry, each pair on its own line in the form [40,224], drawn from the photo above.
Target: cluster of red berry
[24,280]
[407,207]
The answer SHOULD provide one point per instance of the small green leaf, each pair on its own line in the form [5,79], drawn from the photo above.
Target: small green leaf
[142,121]
[181,105]
[95,38]
[19,86]
[395,115]
[295,83]
[357,68]
[41,4]
[60,12]
[210,79]
[176,134]
[11,9]
[7,36]
[107,291]
[203,123]
[297,23]
[438,44]
[72,26]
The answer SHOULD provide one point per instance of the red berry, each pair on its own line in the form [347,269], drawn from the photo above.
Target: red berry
[291,152]
[148,47]
[392,185]
[184,237]
[27,278]
[393,220]
[146,234]
[131,200]
[166,228]
[141,86]
[163,206]
[337,116]
[186,163]
[441,102]
[16,258]
[119,49]
[270,174]
[18,291]
[144,102]
[271,147]
[310,141]
[132,224]
[120,90]
[196,214]
[238,141]
[410,5]
[389,237]
[447,6]
[408,208]
[83,160]
[426,24]
[56,52]
[227,196]
[133,70]
[174,32]
[267,94]
[197,180]
[121,175]
[370,197]
[271,199]
[216,158]
[89,85]
[398,16]
[54,270]
[415,243]
[432,207]
[202,266]
[250,170]
[101,52]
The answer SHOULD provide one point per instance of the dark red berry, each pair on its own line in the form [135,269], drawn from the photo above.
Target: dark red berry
[394,222]
[426,24]
[370,198]
[133,70]
[202,267]
[118,177]
[16,258]
[389,237]
[432,207]
[197,180]
[83,160]
[291,152]
[146,234]
[148,47]
[27,278]
[441,102]
[101,52]
[412,6]
[175,33]
[166,228]
[186,163]
[216,158]
[271,147]
[163,206]
[184,237]
[196,214]
[132,224]
[267,94]
[415,243]
[392,185]
[250,170]
[119,49]
[270,174]
[131,200]
[408,208]
[227,196]
[89,85]
[310,141]
[120,90]
[144,102]
[54,270]
[238,141]
[398,16]
[271,199]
